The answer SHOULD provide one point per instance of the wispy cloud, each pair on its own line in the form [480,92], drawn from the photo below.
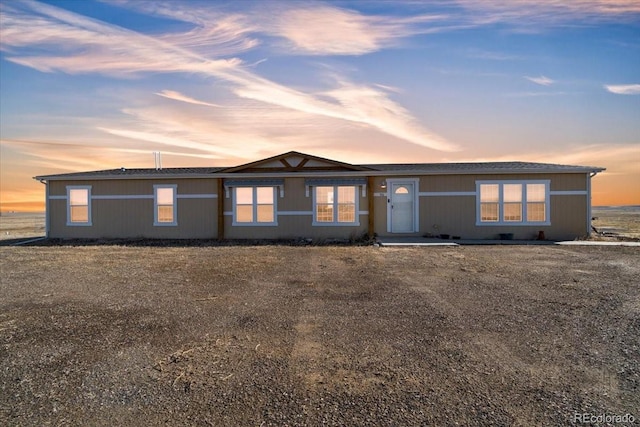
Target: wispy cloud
[618,159]
[61,156]
[212,32]
[95,47]
[541,80]
[373,107]
[177,96]
[310,28]
[530,14]
[633,89]
[317,29]
[78,44]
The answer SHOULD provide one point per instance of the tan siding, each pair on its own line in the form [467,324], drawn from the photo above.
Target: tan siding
[559,182]
[294,196]
[456,215]
[197,218]
[569,182]
[135,186]
[294,226]
[568,217]
[380,206]
[133,218]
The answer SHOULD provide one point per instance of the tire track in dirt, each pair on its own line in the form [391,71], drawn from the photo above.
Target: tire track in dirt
[307,348]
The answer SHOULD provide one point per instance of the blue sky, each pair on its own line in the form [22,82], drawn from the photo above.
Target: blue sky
[94,85]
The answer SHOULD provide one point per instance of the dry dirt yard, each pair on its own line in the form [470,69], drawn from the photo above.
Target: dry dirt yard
[277,335]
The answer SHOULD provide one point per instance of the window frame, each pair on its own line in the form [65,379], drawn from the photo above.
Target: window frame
[254,207]
[89,221]
[523,202]
[156,221]
[336,204]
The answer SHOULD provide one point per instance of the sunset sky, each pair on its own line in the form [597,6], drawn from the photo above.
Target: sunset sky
[90,85]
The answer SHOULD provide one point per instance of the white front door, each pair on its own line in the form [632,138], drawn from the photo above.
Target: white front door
[402,207]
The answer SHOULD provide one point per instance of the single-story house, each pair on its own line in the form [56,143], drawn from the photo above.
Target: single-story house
[297,195]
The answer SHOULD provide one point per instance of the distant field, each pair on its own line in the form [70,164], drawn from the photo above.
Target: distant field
[623,220]
[21,224]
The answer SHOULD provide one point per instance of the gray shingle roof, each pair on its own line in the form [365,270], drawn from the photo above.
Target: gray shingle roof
[124,172]
[388,168]
[485,167]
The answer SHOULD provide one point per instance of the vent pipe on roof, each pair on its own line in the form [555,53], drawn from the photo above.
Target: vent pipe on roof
[158,160]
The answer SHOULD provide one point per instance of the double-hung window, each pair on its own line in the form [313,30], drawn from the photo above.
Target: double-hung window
[537,202]
[513,203]
[335,205]
[254,206]
[165,212]
[79,205]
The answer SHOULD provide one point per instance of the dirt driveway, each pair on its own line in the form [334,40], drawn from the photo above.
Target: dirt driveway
[276,335]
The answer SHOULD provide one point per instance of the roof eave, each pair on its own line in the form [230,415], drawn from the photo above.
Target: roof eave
[223,174]
[130,176]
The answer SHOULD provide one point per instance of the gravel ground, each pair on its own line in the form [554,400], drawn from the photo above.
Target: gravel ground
[277,335]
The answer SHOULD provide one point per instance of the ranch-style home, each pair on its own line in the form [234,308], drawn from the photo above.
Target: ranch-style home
[297,195]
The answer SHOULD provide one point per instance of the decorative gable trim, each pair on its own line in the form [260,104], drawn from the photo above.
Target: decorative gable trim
[294,161]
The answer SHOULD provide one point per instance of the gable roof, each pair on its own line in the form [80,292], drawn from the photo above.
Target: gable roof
[295,163]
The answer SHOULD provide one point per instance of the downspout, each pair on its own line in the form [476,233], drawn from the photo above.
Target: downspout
[589,214]
[371,207]
[220,208]
[46,207]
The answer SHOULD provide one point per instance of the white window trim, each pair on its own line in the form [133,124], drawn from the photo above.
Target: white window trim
[317,223]
[255,223]
[175,205]
[501,222]
[70,223]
